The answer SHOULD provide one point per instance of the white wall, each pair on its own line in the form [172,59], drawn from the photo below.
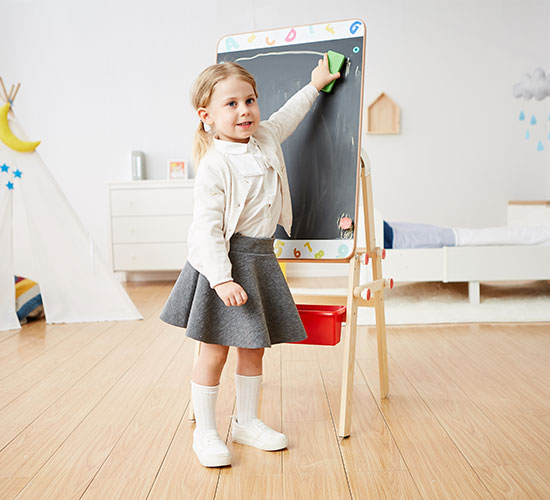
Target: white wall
[102,78]
[461,154]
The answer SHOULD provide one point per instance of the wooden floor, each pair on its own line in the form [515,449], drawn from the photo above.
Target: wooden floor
[99,411]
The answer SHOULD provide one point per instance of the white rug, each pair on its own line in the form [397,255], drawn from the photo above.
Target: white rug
[429,303]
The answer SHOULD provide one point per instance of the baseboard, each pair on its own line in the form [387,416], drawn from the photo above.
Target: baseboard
[148,276]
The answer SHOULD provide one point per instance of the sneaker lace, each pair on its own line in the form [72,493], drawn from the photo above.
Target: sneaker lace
[212,437]
[261,426]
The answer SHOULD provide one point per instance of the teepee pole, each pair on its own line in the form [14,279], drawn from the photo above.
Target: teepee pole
[9,98]
[12,97]
[6,97]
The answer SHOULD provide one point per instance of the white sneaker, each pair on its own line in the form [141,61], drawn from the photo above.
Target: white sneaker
[259,435]
[210,449]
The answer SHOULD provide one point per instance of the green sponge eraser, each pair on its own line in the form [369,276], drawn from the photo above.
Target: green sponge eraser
[335,63]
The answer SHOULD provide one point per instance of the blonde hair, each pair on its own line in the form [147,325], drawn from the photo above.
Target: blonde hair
[201,93]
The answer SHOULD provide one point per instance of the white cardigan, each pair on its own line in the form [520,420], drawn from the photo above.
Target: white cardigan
[220,191]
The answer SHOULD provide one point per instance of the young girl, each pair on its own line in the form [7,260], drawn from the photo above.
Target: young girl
[231,291]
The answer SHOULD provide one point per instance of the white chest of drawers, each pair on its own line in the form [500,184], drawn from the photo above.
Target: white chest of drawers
[149,224]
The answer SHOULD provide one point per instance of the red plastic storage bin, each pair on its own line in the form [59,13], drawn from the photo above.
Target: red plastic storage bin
[322,323]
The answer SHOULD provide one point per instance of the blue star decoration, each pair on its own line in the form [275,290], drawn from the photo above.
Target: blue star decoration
[17,173]
[4,168]
[9,185]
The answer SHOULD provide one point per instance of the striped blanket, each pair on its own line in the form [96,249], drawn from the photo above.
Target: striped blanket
[28,300]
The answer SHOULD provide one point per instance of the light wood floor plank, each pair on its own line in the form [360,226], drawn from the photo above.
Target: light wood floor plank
[132,466]
[508,384]
[384,485]
[32,447]
[18,350]
[372,459]
[474,432]
[530,346]
[529,436]
[515,482]
[437,466]
[8,334]
[47,381]
[372,441]
[23,408]
[486,435]
[312,464]
[56,345]
[304,398]
[514,420]
[70,470]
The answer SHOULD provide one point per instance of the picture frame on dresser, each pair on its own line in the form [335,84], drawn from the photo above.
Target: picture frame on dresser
[178,169]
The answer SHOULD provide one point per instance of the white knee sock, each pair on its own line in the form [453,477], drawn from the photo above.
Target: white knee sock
[204,405]
[248,395]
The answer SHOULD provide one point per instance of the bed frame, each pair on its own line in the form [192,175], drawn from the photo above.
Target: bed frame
[469,264]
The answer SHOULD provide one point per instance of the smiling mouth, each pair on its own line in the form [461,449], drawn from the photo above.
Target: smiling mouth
[244,124]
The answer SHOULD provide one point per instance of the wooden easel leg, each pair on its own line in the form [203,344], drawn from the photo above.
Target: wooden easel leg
[381,341]
[368,211]
[349,350]
[191,411]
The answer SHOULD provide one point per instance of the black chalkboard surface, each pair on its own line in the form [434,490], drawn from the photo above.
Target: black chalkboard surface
[322,156]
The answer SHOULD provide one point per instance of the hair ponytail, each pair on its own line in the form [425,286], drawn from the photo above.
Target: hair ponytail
[201,144]
[201,93]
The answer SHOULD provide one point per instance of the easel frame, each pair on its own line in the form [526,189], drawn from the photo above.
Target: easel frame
[353,300]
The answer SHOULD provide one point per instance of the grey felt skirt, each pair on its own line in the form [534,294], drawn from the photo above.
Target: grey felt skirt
[268,317]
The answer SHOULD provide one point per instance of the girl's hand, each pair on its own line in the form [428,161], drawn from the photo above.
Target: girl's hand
[231,293]
[321,76]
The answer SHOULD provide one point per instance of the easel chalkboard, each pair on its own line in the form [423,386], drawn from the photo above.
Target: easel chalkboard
[323,176]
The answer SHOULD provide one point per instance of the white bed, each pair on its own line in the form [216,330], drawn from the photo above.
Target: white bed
[472,264]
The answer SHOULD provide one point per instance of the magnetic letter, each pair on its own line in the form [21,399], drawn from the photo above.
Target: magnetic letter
[354,27]
[291,35]
[230,43]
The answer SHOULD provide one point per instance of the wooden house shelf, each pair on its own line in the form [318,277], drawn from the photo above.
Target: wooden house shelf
[383,116]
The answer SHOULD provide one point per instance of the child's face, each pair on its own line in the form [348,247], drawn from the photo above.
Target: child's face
[233,111]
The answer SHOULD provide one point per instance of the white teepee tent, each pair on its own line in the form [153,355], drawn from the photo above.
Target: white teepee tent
[41,238]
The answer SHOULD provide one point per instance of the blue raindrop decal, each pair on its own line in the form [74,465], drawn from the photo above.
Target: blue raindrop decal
[540,147]
[522,116]
[527,135]
[533,120]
